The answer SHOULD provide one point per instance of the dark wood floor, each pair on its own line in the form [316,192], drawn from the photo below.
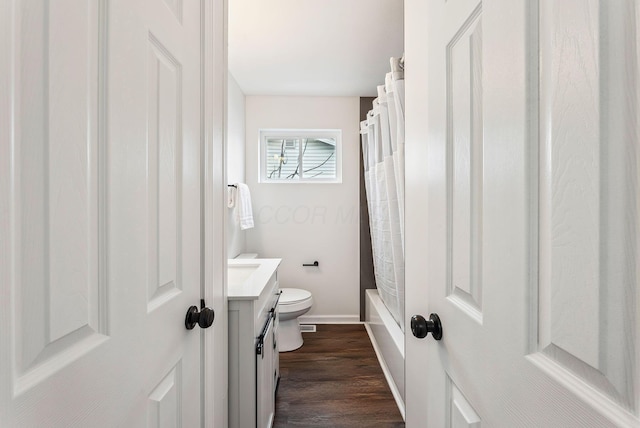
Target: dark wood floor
[334,380]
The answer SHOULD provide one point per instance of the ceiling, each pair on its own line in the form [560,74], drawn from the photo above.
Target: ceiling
[313,47]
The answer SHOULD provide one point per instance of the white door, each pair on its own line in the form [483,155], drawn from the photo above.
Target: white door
[100,221]
[523,212]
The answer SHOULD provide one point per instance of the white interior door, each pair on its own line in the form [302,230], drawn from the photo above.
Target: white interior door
[523,212]
[101,213]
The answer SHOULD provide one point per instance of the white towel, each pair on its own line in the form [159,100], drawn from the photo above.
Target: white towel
[244,213]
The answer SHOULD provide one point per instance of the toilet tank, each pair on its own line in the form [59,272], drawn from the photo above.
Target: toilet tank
[247,256]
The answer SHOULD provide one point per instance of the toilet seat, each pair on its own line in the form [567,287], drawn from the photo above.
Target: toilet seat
[291,296]
[294,299]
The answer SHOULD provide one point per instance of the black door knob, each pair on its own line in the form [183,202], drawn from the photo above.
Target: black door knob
[420,327]
[203,318]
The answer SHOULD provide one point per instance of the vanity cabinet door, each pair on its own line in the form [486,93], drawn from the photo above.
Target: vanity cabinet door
[276,353]
[265,380]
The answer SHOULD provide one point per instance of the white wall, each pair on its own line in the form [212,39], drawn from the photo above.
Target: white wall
[301,223]
[236,239]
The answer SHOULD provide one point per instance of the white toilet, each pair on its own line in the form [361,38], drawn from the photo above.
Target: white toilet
[293,303]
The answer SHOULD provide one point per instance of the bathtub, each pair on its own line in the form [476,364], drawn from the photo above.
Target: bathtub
[388,341]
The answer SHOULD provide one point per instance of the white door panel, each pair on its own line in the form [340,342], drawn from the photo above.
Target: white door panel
[60,310]
[524,188]
[588,190]
[102,236]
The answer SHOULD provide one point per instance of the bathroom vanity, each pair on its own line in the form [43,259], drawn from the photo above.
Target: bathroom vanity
[253,349]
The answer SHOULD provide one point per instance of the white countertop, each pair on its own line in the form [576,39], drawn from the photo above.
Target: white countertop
[249,284]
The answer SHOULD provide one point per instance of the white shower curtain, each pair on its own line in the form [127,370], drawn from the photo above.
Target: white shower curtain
[383,154]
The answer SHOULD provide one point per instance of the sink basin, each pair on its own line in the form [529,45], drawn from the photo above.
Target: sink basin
[238,274]
[247,278]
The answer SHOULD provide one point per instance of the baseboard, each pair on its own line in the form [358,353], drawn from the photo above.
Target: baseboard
[329,319]
[387,373]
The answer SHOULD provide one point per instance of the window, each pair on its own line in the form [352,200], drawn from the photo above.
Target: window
[300,156]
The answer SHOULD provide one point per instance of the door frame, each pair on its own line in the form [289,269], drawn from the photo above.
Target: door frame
[416,299]
[214,355]
[7,29]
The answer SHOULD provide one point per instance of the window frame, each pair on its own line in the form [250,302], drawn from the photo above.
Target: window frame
[266,134]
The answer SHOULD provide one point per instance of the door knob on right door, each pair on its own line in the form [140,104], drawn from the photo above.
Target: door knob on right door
[420,326]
